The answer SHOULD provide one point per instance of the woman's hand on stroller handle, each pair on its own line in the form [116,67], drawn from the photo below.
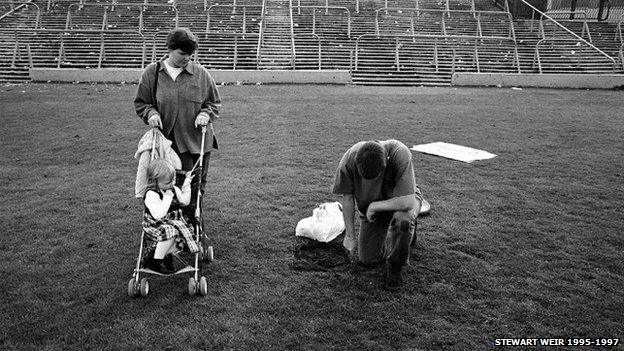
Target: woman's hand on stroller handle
[202,120]
[154,121]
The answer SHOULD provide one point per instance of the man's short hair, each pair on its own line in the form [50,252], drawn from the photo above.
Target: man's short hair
[371,159]
[183,39]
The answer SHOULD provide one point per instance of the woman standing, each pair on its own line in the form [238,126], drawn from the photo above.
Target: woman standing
[180,97]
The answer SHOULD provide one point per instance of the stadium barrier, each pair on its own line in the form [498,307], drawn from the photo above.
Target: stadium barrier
[25,5]
[437,43]
[475,14]
[542,16]
[261,35]
[299,57]
[447,6]
[75,47]
[217,50]
[618,29]
[326,8]
[108,8]
[553,14]
[536,80]
[132,75]
[292,34]
[575,49]
[243,19]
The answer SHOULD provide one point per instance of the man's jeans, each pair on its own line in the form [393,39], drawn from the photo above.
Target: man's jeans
[388,237]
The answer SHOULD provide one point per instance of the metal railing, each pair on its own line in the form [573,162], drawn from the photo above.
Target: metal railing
[318,40]
[438,42]
[23,6]
[111,7]
[292,34]
[503,4]
[475,14]
[585,30]
[261,35]
[64,34]
[622,55]
[233,7]
[235,43]
[17,52]
[447,6]
[327,8]
[618,29]
[548,18]
[571,14]
[578,51]
[246,61]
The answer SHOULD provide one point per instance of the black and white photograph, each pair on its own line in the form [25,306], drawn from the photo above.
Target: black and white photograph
[357,175]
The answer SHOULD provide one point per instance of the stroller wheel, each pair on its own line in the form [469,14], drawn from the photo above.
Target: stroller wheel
[203,286]
[132,288]
[144,287]
[209,254]
[192,286]
[205,248]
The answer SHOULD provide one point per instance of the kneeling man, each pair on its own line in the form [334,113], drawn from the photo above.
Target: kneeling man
[377,178]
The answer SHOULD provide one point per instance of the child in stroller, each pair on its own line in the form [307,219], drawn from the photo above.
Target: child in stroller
[172,224]
[163,220]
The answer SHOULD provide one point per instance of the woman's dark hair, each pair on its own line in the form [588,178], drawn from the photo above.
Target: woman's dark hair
[183,39]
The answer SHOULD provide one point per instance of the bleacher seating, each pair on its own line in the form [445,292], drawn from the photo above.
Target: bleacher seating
[404,42]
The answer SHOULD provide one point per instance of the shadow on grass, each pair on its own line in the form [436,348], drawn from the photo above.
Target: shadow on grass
[310,255]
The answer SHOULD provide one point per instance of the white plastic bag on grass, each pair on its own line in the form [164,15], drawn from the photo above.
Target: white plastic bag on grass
[325,224]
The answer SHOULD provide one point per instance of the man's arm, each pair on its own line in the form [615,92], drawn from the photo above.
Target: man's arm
[399,203]
[348,214]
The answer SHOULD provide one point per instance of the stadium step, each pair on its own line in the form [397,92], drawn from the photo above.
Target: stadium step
[14,74]
[407,78]
[276,46]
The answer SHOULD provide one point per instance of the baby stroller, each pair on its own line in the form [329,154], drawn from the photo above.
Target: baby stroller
[139,285]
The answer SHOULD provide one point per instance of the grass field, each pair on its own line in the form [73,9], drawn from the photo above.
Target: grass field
[526,245]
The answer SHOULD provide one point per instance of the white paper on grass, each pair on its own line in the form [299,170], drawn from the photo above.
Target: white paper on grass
[453,151]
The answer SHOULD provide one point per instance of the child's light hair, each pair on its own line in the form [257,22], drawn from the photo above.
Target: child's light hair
[159,169]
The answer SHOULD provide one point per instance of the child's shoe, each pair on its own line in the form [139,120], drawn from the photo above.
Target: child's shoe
[158,266]
[168,262]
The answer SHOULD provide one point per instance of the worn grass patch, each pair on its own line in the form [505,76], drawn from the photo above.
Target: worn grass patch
[526,245]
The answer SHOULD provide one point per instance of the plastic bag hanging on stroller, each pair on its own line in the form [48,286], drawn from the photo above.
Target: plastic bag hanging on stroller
[152,145]
[193,216]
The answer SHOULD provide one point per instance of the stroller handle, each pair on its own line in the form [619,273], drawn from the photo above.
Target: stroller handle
[203,142]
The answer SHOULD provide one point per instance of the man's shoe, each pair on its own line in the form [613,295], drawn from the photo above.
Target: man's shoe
[394,277]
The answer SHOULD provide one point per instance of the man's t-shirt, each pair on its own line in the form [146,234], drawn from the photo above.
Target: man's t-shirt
[396,180]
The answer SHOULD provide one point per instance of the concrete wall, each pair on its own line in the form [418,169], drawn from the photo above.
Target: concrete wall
[576,81]
[132,75]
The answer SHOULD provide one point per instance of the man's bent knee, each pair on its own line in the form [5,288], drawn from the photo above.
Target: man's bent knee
[403,222]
